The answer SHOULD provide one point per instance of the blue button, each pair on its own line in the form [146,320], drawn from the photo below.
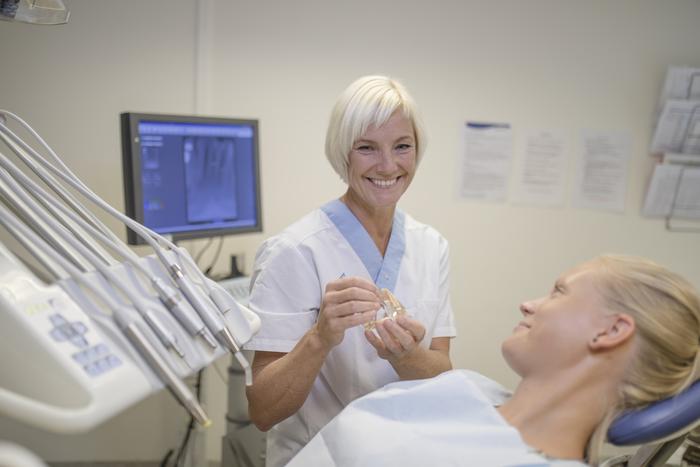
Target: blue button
[96,352]
[103,365]
[81,358]
[80,341]
[57,319]
[114,361]
[101,349]
[92,369]
[58,335]
[78,357]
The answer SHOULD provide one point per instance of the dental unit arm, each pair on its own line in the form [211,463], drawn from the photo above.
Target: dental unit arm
[107,328]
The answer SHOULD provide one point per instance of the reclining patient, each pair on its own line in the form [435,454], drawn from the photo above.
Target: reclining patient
[614,333]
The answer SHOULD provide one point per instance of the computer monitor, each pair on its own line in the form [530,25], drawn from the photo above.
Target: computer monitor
[189,177]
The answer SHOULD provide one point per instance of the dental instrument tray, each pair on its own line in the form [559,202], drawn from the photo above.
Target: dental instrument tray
[87,327]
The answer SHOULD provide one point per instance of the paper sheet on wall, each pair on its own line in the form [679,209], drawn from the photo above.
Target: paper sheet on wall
[674,190]
[678,128]
[680,83]
[485,164]
[541,175]
[601,175]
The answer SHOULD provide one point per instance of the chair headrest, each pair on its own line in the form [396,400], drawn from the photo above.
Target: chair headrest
[659,420]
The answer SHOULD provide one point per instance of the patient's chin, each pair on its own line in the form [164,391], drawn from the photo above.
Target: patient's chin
[513,357]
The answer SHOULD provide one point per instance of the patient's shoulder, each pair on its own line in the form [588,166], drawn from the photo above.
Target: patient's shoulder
[495,392]
[450,383]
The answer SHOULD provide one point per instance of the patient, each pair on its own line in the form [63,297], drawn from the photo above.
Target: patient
[614,333]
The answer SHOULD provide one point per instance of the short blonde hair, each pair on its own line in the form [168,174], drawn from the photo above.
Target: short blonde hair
[368,101]
[666,311]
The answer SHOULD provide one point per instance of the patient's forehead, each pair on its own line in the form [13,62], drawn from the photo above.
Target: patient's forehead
[584,272]
[585,279]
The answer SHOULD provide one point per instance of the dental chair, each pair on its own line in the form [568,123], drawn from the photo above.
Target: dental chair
[660,430]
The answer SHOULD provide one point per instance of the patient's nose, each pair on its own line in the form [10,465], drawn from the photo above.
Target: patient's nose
[528,308]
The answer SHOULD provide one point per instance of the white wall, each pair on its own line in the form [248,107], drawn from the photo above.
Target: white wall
[564,65]
[559,64]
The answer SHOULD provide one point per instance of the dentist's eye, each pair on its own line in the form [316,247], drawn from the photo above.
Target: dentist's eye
[404,147]
[364,149]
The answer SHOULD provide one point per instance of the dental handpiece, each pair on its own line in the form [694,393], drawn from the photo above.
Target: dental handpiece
[213,320]
[183,311]
[226,304]
[181,392]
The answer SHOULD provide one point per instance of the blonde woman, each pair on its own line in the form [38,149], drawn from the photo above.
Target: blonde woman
[316,283]
[614,333]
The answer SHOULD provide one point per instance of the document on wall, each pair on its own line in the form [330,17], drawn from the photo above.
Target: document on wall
[678,128]
[541,174]
[601,175]
[485,164]
[674,190]
[681,83]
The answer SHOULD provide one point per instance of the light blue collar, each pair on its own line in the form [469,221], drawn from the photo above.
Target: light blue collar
[384,271]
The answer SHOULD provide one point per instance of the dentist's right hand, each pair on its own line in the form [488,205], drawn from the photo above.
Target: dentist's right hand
[347,302]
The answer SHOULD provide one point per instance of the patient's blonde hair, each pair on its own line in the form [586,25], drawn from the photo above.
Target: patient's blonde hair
[666,311]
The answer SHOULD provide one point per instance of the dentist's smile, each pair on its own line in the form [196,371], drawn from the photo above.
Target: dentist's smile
[383,183]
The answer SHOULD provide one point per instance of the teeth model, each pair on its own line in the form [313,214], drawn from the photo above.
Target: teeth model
[391,309]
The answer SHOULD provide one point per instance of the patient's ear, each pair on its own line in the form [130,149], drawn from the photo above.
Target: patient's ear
[620,327]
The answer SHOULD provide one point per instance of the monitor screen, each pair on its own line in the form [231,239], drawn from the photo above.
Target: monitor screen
[189,177]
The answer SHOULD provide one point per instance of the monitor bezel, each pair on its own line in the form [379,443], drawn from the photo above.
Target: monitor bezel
[131,172]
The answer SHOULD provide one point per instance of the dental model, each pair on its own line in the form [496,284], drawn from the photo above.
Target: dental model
[391,309]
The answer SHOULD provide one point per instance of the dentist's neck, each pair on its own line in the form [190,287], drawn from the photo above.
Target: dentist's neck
[376,221]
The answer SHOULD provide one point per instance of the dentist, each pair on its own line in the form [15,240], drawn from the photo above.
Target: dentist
[316,283]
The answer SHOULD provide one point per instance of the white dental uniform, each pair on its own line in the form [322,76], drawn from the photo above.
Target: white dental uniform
[446,420]
[290,277]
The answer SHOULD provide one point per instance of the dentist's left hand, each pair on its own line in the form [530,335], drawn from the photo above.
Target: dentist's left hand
[397,338]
